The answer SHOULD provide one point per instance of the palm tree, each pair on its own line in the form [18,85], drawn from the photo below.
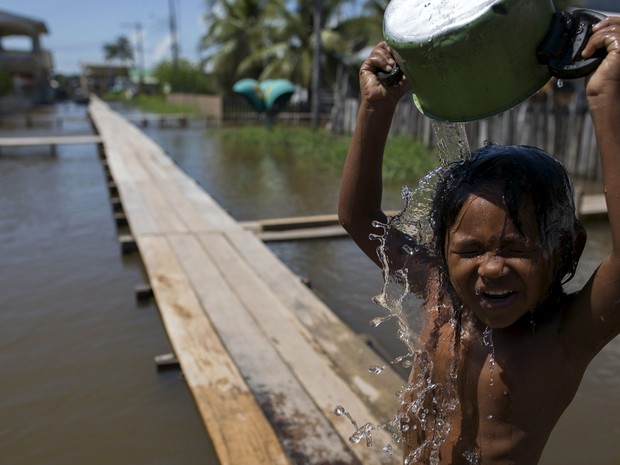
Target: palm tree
[235,28]
[266,39]
[121,50]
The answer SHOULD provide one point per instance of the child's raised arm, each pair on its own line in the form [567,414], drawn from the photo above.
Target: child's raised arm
[601,296]
[361,187]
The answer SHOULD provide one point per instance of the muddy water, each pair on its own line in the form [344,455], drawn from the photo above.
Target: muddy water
[76,351]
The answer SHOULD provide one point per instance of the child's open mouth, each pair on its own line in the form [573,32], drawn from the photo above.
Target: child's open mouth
[496,298]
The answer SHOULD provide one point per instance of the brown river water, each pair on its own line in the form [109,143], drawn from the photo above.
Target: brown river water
[78,382]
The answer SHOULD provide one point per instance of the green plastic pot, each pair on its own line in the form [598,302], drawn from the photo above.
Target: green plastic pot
[470,59]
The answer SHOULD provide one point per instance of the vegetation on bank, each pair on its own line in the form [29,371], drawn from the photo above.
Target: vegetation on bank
[158,104]
[406,159]
[152,104]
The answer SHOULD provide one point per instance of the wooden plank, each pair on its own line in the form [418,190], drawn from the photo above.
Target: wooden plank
[298,222]
[297,346]
[158,200]
[278,336]
[302,429]
[592,205]
[48,140]
[321,232]
[191,203]
[139,217]
[215,216]
[335,338]
[240,432]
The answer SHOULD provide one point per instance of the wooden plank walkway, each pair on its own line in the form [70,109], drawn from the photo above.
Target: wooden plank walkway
[266,360]
[52,141]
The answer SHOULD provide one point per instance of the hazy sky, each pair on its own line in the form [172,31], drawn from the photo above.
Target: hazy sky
[78,29]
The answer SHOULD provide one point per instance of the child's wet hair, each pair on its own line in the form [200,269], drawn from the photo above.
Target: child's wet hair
[521,173]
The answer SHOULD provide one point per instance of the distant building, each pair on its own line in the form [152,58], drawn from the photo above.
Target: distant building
[28,72]
[101,78]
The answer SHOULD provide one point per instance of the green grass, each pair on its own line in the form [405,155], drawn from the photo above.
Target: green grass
[157,104]
[154,104]
[406,160]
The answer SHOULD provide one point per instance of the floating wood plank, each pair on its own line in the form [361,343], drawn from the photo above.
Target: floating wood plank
[322,232]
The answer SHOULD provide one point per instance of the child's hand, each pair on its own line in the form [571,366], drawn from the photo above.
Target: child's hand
[603,86]
[380,59]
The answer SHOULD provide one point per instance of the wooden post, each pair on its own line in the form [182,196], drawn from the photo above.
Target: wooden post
[128,244]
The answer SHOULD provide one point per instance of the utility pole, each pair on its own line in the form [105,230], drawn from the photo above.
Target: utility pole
[140,51]
[140,41]
[173,35]
[316,66]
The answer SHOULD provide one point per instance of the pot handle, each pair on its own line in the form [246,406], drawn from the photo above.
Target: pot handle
[392,78]
[567,37]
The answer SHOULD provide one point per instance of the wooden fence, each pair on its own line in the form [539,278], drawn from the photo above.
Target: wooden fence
[554,120]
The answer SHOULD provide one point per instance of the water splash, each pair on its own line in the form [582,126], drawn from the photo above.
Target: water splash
[472,457]
[451,141]
[487,340]
[426,405]
[376,369]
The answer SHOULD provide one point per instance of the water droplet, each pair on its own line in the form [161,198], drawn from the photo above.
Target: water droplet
[560,84]
[375,369]
[340,411]
[355,438]
[387,449]
[489,417]
[487,337]
[472,457]
[375,322]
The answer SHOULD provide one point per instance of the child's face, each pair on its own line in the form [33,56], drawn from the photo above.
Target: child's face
[499,273]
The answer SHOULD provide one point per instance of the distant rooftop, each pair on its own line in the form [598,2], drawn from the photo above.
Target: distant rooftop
[12,24]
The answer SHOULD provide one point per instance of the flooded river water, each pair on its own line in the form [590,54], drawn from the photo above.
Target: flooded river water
[76,350]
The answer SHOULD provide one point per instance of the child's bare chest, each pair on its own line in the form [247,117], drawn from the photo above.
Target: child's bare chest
[511,394]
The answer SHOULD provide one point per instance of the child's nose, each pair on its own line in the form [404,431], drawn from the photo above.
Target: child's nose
[493,266]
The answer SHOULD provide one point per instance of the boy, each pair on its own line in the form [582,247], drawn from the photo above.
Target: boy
[503,339]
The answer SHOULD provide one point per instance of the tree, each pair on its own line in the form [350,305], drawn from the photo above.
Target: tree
[121,50]
[234,30]
[183,76]
[275,39]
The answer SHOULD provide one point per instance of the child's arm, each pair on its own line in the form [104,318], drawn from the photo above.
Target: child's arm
[361,187]
[601,297]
